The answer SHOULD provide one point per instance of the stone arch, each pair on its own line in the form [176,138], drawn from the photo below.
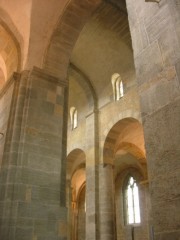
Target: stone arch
[121,207]
[126,134]
[75,16]
[76,180]
[86,85]
[132,149]
[9,56]
[10,51]
[81,213]
[3,70]
[129,113]
[75,159]
[8,26]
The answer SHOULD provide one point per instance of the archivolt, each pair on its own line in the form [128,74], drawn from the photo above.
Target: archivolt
[65,35]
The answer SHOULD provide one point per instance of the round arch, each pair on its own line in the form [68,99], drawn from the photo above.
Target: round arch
[76,14]
[10,51]
[85,84]
[126,134]
[76,159]
[76,180]
[13,35]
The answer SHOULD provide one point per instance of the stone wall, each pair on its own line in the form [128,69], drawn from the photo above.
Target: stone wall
[86,137]
[156,44]
[32,178]
[81,217]
[124,231]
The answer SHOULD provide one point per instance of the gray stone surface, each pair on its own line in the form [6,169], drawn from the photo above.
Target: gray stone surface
[31,182]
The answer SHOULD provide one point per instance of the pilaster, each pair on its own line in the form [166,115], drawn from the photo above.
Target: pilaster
[33,166]
[156,44]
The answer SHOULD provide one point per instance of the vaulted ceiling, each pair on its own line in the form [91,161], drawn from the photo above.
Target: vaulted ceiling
[104,47]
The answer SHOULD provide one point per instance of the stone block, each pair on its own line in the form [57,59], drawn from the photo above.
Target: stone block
[168,219]
[148,63]
[169,46]
[51,97]
[158,23]
[44,225]
[44,163]
[146,10]
[39,178]
[62,231]
[167,236]
[139,36]
[24,233]
[45,195]
[175,13]
[23,222]
[48,108]
[165,188]
[160,124]
[177,66]
[39,149]
[159,91]
[59,99]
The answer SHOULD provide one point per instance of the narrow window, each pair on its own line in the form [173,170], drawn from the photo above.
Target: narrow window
[117,85]
[132,202]
[121,89]
[74,117]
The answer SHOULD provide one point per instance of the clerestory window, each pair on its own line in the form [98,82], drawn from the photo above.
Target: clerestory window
[117,85]
[132,205]
[74,117]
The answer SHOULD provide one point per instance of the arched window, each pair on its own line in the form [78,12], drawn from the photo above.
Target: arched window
[117,84]
[132,207]
[74,117]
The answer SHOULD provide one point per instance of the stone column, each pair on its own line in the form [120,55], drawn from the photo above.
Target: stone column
[73,215]
[69,204]
[32,176]
[91,177]
[155,35]
[106,202]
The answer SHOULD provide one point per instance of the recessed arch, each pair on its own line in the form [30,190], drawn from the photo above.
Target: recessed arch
[63,39]
[10,52]
[75,159]
[76,181]
[80,233]
[85,84]
[132,149]
[126,134]
[12,33]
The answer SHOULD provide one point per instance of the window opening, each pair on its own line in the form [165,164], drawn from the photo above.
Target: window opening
[118,88]
[132,202]
[74,117]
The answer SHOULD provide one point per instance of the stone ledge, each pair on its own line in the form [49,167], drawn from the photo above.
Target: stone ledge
[45,75]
